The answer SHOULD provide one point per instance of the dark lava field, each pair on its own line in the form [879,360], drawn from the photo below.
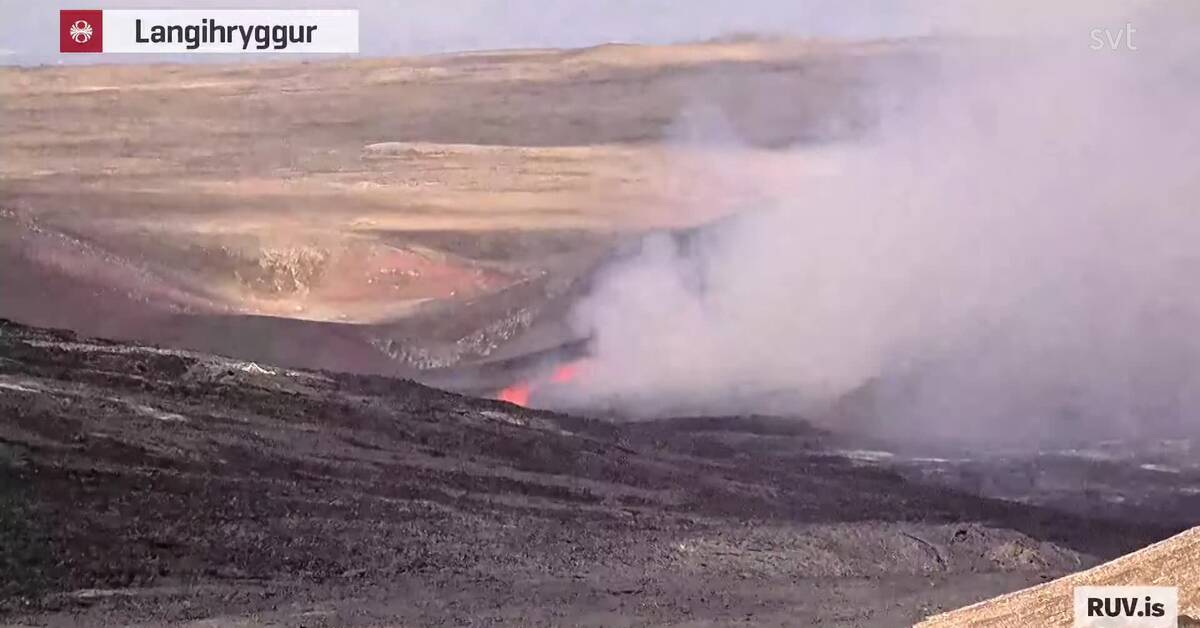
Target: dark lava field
[147,486]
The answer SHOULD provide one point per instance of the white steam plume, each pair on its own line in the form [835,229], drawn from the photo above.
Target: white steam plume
[1015,255]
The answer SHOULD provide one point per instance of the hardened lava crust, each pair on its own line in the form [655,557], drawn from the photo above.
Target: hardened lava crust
[150,486]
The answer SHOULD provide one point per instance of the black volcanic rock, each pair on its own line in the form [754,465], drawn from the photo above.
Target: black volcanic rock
[154,485]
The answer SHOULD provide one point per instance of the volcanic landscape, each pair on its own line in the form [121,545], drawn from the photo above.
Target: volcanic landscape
[270,332]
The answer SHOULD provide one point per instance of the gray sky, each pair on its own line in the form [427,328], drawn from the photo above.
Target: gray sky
[29,29]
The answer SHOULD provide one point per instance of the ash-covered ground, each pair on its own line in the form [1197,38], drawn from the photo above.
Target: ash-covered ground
[149,486]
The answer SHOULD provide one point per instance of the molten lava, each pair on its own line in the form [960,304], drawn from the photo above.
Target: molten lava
[519,393]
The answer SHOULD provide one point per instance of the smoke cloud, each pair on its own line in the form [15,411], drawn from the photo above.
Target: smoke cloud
[1011,255]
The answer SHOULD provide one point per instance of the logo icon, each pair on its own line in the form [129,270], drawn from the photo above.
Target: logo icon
[81,31]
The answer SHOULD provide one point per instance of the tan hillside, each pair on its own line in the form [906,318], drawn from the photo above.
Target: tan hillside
[1172,562]
[347,193]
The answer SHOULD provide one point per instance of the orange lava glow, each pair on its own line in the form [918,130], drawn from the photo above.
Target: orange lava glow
[516,394]
[519,393]
[565,373]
